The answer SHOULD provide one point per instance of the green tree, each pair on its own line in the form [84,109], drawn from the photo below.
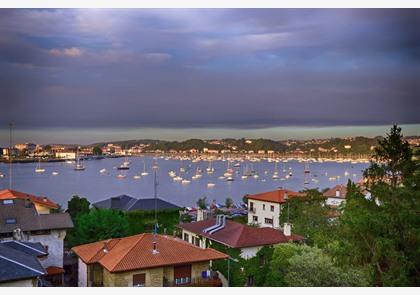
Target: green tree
[77,206]
[380,226]
[310,218]
[97,151]
[228,202]
[97,225]
[202,203]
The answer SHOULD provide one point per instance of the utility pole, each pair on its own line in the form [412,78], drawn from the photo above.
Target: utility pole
[10,155]
[155,183]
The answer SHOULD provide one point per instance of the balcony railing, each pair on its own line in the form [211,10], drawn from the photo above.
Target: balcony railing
[195,282]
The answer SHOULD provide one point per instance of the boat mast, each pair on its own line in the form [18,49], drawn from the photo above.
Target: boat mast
[10,155]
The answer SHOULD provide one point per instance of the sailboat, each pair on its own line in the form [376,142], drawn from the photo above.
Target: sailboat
[306,169]
[210,169]
[276,172]
[144,173]
[79,166]
[38,168]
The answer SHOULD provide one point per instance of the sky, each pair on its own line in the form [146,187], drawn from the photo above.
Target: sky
[90,75]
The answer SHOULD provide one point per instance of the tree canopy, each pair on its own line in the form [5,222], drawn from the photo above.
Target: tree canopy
[77,206]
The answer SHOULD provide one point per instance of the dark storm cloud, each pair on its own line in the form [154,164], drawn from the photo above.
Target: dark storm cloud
[250,68]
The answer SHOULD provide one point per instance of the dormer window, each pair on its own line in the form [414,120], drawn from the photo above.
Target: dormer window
[10,221]
[8,202]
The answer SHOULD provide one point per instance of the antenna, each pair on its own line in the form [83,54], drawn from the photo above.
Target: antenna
[10,155]
[155,168]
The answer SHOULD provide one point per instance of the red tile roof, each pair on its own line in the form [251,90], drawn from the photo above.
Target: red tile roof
[136,252]
[238,235]
[276,196]
[12,194]
[332,193]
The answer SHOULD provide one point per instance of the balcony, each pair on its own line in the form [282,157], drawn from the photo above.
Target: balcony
[195,282]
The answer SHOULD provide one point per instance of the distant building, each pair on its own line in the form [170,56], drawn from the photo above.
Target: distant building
[127,203]
[336,195]
[145,260]
[248,239]
[65,155]
[264,209]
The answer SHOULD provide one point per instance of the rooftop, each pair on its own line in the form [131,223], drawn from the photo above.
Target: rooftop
[338,191]
[136,252]
[238,235]
[43,201]
[23,215]
[128,203]
[277,196]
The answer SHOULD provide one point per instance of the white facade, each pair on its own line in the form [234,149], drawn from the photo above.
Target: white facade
[82,273]
[334,201]
[248,253]
[66,155]
[263,213]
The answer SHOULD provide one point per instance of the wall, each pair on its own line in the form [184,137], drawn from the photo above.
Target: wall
[190,235]
[55,244]
[262,214]
[41,209]
[82,273]
[247,253]
[334,201]
[21,283]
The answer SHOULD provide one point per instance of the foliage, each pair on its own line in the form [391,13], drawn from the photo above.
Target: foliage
[143,221]
[97,225]
[77,206]
[382,231]
[310,218]
[97,151]
[202,203]
[228,202]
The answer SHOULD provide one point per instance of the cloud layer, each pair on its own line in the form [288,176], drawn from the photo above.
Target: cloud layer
[250,68]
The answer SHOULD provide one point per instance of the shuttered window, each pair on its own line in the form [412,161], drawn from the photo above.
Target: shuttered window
[139,280]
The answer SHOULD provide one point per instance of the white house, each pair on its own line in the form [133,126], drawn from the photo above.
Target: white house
[336,195]
[248,239]
[264,209]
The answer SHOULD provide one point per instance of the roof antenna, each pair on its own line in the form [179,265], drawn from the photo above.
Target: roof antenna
[155,168]
[10,156]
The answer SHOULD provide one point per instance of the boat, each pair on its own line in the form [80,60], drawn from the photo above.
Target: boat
[244,177]
[230,178]
[172,173]
[54,173]
[210,169]
[102,170]
[236,165]
[221,177]
[185,181]
[38,168]
[136,176]
[177,178]
[306,169]
[255,176]
[211,184]
[121,176]
[306,182]
[79,166]
[144,173]
[69,162]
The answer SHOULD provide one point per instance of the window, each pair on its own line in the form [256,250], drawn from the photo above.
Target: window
[197,242]
[192,240]
[251,206]
[139,280]
[261,260]
[8,202]
[186,237]
[268,221]
[10,220]
[255,218]
[272,208]
[264,207]
[250,281]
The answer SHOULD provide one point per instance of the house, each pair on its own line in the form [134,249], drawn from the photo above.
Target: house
[264,209]
[20,265]
[336,195]
[248,239]
[127,203]
[25,220]
[43,205]
[65,155]
[145,260]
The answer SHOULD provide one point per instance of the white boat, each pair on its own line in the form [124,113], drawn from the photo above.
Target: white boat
[211,184]
[54,173]
[244,177]
[79,166]
[230,178]
[185,181]
[221,177]
[1,175]
[121,176]
[38,168]
[102,170]
[69,162]
[177,178]
[255,176]
[136,176]
[144,173]
[172,173]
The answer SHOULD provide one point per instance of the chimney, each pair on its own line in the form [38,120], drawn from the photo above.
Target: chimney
[106,249]
[155,251]
[200,214]
[287,229]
